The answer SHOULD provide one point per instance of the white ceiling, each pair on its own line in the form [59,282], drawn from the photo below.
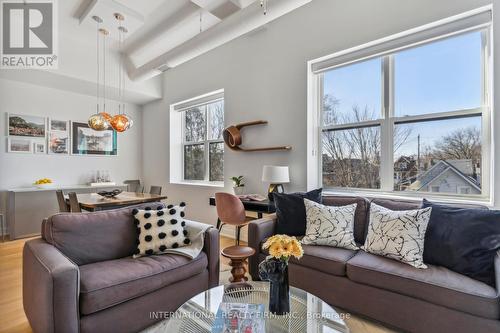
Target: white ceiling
[168,34]
[160,27]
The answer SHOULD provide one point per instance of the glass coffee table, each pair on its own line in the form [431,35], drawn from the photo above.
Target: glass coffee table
[308,313]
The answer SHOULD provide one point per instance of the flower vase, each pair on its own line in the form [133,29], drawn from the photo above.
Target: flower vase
[276,272]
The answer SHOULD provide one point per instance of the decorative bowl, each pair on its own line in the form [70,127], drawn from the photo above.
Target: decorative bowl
[109,194]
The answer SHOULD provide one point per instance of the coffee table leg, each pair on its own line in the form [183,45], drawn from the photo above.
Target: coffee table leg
[238,270]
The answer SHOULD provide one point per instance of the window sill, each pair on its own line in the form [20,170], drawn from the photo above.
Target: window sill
[198,183]
[411,196]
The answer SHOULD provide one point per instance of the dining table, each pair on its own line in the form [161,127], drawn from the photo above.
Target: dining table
[94,202]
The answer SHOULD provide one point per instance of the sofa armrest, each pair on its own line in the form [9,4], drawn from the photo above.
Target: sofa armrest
[51,287]
[211,248]
[258,230]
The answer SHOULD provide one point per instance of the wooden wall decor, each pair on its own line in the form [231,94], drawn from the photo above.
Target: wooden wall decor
[232,137]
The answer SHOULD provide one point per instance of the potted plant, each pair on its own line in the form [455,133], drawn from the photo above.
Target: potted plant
[238,184]
[275,270]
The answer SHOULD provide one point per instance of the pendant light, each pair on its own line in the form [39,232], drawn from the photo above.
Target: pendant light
[100,120]
[121,122]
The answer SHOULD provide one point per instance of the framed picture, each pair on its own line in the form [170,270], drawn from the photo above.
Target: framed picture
[24,125]
[59,142]
[58,125]
[39,147]
[19,145]
[86,141]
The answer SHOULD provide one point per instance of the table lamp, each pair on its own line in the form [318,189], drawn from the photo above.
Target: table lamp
[276,176]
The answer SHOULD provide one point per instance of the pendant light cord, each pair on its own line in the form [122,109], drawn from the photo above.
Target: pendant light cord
[120,108]
[104,74]
[98,68]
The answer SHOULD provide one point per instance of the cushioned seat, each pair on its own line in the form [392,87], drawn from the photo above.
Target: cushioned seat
[108,283]
[326,259]
[435,284]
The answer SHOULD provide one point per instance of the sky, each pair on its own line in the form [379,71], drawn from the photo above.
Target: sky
[436,77]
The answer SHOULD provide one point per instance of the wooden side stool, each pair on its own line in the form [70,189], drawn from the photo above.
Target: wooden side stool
[237,256]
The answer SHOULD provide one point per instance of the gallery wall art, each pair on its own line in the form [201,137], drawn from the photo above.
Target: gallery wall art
[59,137]
[86,141]
[28,134]
[19,145]
[28,126]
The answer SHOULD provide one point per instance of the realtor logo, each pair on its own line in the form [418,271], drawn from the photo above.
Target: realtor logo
[28,34]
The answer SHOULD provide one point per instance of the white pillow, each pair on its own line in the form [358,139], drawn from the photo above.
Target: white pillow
[329,225]
[159,230]
[398,235]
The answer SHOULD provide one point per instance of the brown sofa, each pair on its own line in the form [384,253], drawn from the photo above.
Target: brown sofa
[415,300]
[80,277]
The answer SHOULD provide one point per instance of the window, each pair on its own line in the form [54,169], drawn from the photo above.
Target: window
[201,123]
[409,115]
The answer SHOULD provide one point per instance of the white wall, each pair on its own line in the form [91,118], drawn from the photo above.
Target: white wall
[264,77]
[22,170]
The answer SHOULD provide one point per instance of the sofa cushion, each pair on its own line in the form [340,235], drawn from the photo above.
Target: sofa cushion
[330,225]
[108,283]
[398,234]
[326,259]
[291,212]
[464,240]
[437,285]
[161,229]
[360,216]
[92,237]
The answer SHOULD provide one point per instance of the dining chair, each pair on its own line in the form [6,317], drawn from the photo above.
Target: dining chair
[230,210]
[133,185]
[155,190]
[73,203]
[63,206]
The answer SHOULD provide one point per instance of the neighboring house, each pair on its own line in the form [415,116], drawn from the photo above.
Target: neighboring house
[405,172]
[451,176]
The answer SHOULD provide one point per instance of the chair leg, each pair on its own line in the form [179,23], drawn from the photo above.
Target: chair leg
[218,223]
[220,227]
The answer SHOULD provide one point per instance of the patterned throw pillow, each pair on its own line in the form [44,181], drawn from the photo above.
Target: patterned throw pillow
[159,230]
[329,225]
[398,235]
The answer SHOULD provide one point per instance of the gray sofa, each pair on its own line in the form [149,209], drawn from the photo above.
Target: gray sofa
[80,277]
[410,299]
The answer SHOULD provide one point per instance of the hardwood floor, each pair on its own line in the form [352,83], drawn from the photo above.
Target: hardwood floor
[13,320]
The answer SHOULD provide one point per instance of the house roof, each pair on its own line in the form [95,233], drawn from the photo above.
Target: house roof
[438,169]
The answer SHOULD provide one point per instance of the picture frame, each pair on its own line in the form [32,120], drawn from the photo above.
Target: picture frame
[58,125]
[19,145]
[86,141]
[21,125]
[59,143]
[39,147]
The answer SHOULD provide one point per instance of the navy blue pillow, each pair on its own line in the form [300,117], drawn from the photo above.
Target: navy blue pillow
[464,240]
[291,212]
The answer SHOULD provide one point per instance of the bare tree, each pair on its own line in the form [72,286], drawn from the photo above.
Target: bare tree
[461,144]
[351,157]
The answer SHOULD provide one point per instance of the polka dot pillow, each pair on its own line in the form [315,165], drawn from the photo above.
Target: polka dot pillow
[159,230]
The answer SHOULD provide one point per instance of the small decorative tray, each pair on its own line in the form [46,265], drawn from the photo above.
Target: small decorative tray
[109,194]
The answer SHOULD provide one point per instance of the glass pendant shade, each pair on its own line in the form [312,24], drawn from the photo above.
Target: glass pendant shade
[120,123]
[130,121]
[98,122]
[106,116]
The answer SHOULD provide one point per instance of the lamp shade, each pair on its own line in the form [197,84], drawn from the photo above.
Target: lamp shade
[275,174]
